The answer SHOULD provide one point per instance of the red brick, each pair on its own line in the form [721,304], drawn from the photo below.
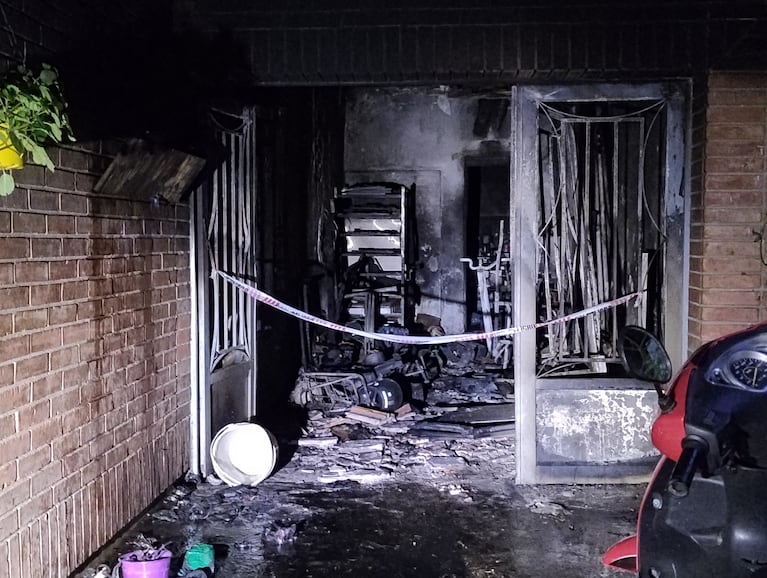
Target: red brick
[740,96]
[18,200]
[115,456]
[116,417]
[74,290]
[14,297]
[46,386]
[6,324]
[9,524]
[75,377]
[61,224]
[66,487]
[76,460]
[34,414]
[12,398]
[88,310]
[7,425]
[30,320]
[721,249]
[85,225]
[85,182]
[735,165]
[731,265]
[115,266]
[73,419]
[735,183]
[8,476]
[100,287]
[43,340]
[46,248]
[101,246]
[111,305]
[65,401]
[45,294]
[64,357]
[28,223]
[46,478]
[134,227]
[731,282]
[42,502]
[31,463]
[74,247]
[73,159]
[61,179]
[136,263]
[92,470]
[6,274]
[63,270]
[76,333]
[71,203]
[14,248]
[736,132]
[741,80]
[65,444]
[730,314]
[123,432]
[113,342]
[736,114]
[31,175]
[31,271]
[5,222]
[43,200]
[732,216]
[90,350]
[734,149]
[32,366]
[13,447]
[46,432]
[60,314]
[13,347]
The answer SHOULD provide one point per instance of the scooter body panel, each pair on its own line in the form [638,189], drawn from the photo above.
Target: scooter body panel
[717,525]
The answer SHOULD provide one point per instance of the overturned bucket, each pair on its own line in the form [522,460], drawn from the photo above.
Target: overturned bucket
[243,454]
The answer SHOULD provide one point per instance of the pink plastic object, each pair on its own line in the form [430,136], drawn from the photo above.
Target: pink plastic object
[132,568]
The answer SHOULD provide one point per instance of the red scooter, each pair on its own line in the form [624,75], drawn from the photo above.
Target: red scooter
[704,513]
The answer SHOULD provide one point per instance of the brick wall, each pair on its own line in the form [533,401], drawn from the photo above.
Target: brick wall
[370,42]
[94,362]
[728,282]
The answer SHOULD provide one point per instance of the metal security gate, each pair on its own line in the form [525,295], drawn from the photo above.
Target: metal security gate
[599,228]
[225,217]
[599,208]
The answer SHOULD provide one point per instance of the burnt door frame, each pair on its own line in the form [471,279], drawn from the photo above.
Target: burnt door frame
[224,320]
[524,216]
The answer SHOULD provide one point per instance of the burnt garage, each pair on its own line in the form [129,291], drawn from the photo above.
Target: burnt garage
[299,217]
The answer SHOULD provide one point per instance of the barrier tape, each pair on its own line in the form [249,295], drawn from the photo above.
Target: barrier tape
[415,339]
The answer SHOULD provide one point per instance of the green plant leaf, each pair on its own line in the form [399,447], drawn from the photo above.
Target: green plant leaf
[48,76]
[55,132]
[40,157]
[7,184]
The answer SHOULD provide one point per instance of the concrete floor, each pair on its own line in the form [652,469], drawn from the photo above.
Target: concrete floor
[391,501]
[470,523]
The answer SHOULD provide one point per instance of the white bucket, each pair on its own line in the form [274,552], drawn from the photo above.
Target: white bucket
[243,454]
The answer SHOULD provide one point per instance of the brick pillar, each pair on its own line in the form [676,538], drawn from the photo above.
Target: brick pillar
[728,277]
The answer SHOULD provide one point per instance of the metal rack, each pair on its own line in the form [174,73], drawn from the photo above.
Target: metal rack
[376,248]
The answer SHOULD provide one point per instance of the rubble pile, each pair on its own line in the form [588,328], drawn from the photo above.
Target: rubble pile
[467,430]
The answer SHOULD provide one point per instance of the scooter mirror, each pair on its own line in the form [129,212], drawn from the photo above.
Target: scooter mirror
[643,355]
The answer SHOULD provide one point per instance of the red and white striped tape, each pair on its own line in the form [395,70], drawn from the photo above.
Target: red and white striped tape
[414,339]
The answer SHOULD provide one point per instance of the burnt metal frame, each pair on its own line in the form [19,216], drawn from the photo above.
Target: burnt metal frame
[223,317]
[524,206]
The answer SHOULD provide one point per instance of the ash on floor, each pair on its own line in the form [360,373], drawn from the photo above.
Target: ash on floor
[425,492]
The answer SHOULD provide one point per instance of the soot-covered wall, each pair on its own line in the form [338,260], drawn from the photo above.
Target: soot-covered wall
[424,136]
